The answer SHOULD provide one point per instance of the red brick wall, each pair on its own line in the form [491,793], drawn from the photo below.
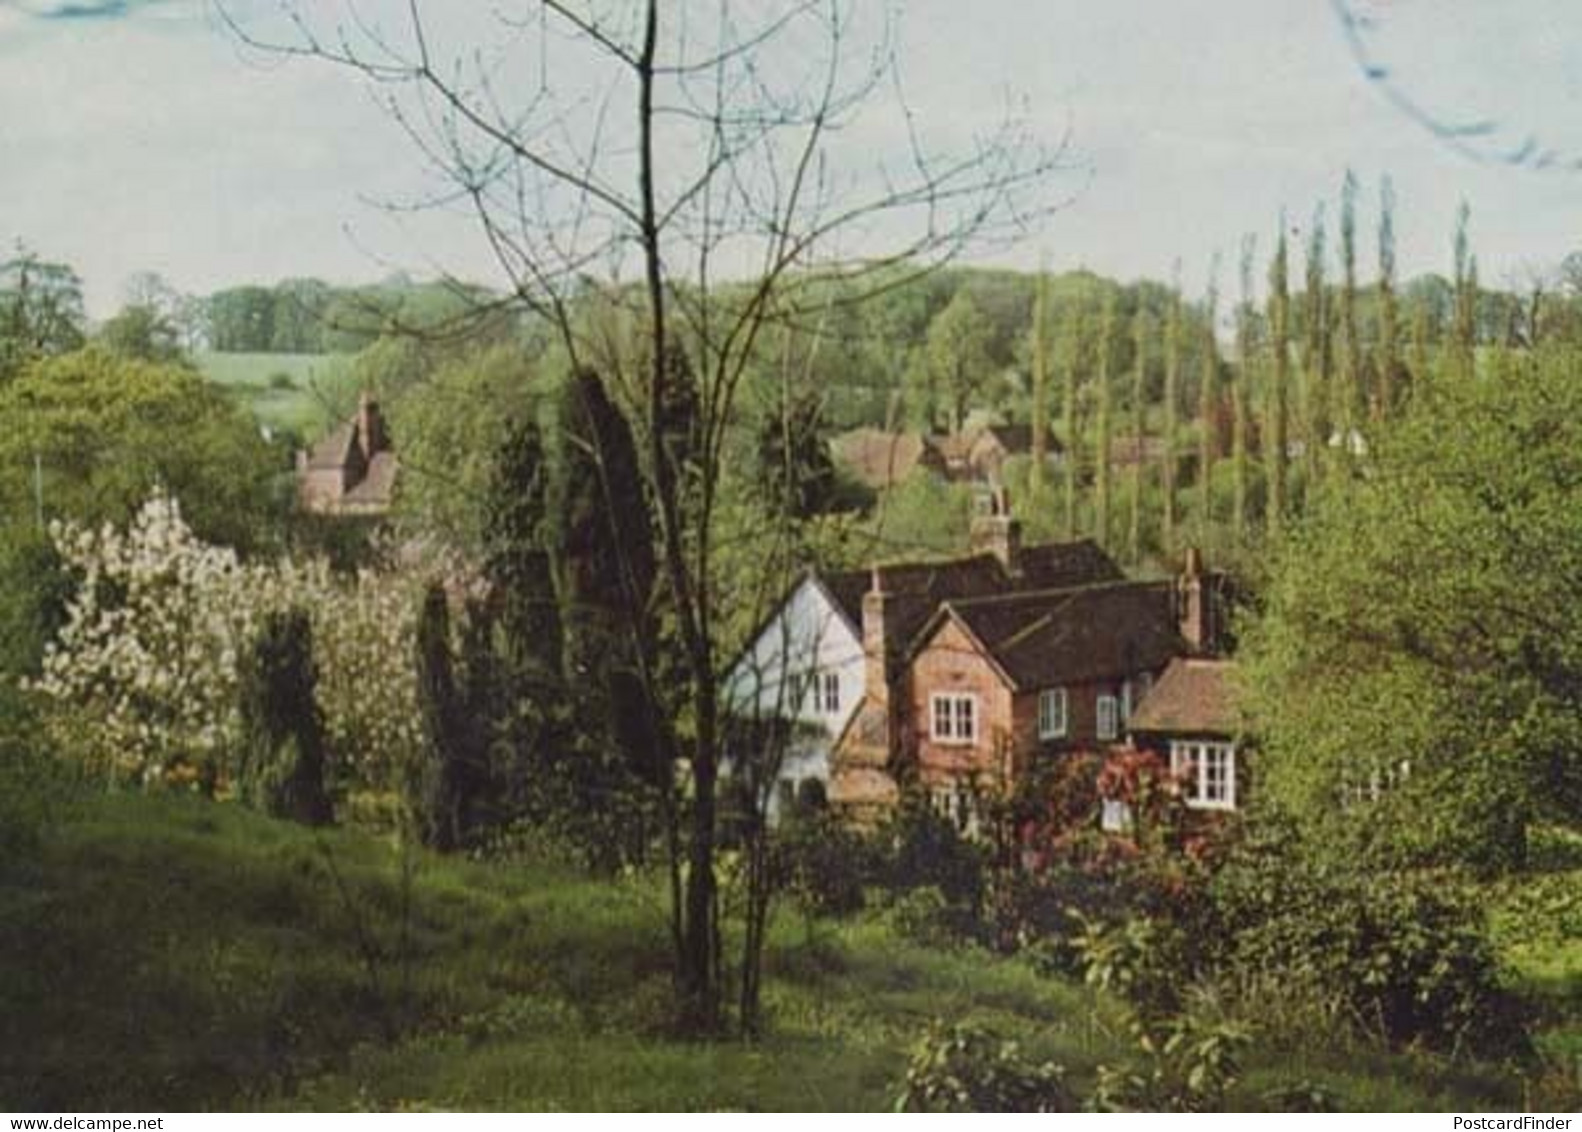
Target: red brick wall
[952,663]
[1008,723]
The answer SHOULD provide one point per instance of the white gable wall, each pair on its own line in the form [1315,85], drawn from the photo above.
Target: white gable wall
[781,674]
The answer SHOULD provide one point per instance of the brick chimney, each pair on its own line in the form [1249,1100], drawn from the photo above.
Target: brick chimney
[1194,604]
[370,426]
[878,647]
[995,531]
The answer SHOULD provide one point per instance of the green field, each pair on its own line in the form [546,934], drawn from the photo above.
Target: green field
[174,953]
[284,391]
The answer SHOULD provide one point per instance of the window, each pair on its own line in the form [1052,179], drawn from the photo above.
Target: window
[955,718]
[1052,713]
[794,691]
[1126,703]
[1210,773]
[826,697]
[1108,727]
[1115,817]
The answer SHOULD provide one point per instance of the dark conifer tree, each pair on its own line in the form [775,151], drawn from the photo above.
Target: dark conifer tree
[281,770]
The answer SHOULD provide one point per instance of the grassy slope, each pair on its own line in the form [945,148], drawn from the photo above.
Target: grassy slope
[294,407]
[172,953]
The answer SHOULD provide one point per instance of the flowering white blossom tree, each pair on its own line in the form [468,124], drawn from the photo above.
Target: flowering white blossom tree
[140,684]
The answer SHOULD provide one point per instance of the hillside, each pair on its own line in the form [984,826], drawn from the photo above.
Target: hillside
[167,952]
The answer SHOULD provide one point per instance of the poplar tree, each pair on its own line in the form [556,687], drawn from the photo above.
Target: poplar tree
[1344,404]
[1101,471]
[1466,297]
[1246,348]
[1208,403]
[1275,410]
[1073,461]
[1389,366]
[1040,422]
[1172,398]
[1421,354]
[1134,527]
[1317,354]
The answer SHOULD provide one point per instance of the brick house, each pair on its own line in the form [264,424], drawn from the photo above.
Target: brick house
[352,471]
[966,689]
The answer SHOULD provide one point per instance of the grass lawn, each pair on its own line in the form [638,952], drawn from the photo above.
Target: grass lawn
[278,389]
[167,952]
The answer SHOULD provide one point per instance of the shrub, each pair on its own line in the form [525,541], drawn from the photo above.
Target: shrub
[1185,1065]
[1403,954]
[923,915]
[965,1068]
[1141,959]
[928,851]
[281,769]
[825,862]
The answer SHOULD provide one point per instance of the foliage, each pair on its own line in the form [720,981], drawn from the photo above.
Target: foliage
[449,426]
[41,311]
[796,475]
[966,1068]
[1413,674]
[1140,958]
[450,779]
[928,851]
[1398,955]
[140,683]
[825,862]
[281,767]
[141,332]
[1185,1066]
[105,431]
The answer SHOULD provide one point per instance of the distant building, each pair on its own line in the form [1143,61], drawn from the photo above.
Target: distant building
[352,471]
[977,454]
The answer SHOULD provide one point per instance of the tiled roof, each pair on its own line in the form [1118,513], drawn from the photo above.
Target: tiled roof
[335,449]
[918,588]
[1192,697]
[878,458]
[846,587]
[377,484]
[1047,638]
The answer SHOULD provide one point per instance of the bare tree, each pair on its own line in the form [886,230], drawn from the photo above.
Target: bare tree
[705,173]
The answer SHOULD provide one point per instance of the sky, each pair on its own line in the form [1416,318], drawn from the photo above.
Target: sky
[138,135]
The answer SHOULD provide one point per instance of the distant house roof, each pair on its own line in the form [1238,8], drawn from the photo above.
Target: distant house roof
[352,470]
[1125,451]
[880,459]
[1046,638]
[1192,697]
[336,448]
[378,483]
[1017,439]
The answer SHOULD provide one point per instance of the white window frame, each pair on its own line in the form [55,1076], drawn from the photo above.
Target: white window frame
[960,727]
[1115,816]
[1054,713]
[1197,760]
[1126,704]
[1106,723]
